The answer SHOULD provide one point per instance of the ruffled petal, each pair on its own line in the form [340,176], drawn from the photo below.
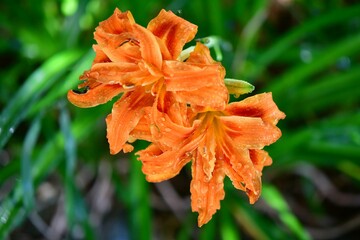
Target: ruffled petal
[126,114]
[250,132]
[118,48]
[117,23]
[94,96]
[206,152]
[159,165]
[260,158]
[198,85]
[169,134]
[121,28]
[149,47]
[124,73]
[206,194]
[240,169]
[173,31]
[213,98]
[260,105]
[201,55]
[182,76]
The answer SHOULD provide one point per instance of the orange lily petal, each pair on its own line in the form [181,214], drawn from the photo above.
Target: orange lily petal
[94,96]
[182,76]
[204,99]
[178,112]
[197,85]
[100,55]
[123,25]
[201,55]
[149,47]
[159,166]
[142,129]
[173,31]
[168,133]
[250,132]
[239,168]
[206,194]
[260,159]
[118,22]
[260,105]
[124,73]
[206,151]
[126,114]
[118,48]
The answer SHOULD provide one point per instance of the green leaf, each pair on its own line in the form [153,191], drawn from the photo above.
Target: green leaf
[12,211]
[37,83]
[302,73]
[228,228]
[26,163]
[274,198]
[311,26]
[140,212]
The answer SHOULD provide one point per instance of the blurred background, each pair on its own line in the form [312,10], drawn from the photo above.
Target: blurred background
[58,180]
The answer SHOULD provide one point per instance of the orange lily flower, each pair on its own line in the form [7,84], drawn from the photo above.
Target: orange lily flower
[219,143]
[179,103]
[137,62]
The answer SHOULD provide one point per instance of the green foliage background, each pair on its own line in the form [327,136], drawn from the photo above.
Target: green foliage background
[58,180]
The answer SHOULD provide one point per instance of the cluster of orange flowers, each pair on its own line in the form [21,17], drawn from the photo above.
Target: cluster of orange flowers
[178,101]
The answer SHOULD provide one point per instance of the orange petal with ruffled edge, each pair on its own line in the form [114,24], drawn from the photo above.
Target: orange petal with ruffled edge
[250,132]
[206,151]
[127,74]
[198,86]
[260,158]
[260,105]
[182,76]
[167,133]
[118,23]
[149,47]
[213,98]
[118,48]
[159,165]
[201,56]
[123,25]
[142,129]
[240,169]
[206,194]
[125,115]
[174,31]
[94,96]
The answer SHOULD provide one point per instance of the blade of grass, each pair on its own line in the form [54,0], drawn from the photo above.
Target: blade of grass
[325,93]
[228,228]
[310,26]
[140,213]
[274,198]
[247,38]
[303,72]
[248,222]
[26,177]
[215,17]
[208,231]
[49,156]
[37,83]
[60,88]
[70,162]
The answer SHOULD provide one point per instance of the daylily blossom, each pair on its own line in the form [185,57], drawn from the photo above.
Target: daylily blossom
[218,143]
[134,60]
[178,100]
